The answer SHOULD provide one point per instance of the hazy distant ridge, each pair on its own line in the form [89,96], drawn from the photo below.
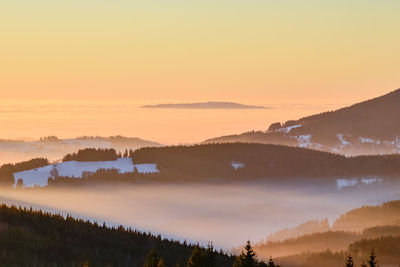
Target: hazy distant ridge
[205,105]
[370,127]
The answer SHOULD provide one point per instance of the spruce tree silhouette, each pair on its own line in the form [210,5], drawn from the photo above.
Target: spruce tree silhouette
[372,260]
[349,261]
[210,255]
[247,258]
[271,263]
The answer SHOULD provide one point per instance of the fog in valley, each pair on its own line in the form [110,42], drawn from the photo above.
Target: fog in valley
[226,214]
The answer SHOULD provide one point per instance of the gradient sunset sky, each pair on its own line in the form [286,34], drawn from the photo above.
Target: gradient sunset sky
[331,50]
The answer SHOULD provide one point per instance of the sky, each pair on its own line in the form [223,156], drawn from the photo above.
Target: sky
[200,50]
[253,51]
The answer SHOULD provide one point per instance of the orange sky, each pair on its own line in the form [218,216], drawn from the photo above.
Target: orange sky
[254,52]
[199,50]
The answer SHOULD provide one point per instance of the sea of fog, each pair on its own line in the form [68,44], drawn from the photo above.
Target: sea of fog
[226,214]
[32,119]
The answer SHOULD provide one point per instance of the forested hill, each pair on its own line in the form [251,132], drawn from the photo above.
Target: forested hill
[7,170]
[368,127]
[30,238]
[54,148]
[246,161]
[225,163]
[376,119]
[355,233]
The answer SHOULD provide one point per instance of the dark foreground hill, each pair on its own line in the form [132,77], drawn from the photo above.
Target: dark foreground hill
[368,127]
[30,238]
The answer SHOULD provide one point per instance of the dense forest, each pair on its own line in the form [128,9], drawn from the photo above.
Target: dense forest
[335,241]
[355,233]
[7,170]
[369,216]
[103,176]
[310,227]
[35,238]
[216,162]
[92,154]
[261,161]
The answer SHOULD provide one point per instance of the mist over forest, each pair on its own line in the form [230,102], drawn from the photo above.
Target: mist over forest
[226,214]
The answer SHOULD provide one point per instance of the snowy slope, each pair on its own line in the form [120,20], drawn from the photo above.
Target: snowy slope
[39,176]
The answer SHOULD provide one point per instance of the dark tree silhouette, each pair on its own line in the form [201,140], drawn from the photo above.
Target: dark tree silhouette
[27,235]
[247,258]
[349,261]
[54,172]
[372,260]
[20,184]
[203,257]
[271,263]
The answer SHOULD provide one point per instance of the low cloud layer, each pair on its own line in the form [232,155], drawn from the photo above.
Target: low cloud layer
[228,215]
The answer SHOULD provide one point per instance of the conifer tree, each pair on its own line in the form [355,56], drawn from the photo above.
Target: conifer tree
[210,256]
[271,263]
[372,260]
[248,258]
[349,261]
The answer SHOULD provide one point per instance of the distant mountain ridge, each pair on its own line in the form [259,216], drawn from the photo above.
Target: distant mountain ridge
[369,127]
[205,105]
[53,148]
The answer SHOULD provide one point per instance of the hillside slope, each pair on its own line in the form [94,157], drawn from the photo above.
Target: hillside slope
[30,238]
[369,127]
[356,232]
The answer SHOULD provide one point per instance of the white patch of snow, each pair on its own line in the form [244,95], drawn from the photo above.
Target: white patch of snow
[288,129]
[237,165]
[304,140]
[317,146]
[375,180]
[39,176]
[146,168]
[342,140]
[343,183]
[349,182]
[367,140]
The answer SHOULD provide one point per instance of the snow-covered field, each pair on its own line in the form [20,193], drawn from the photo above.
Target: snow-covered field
[39,176]
[237,165]
[349,182]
